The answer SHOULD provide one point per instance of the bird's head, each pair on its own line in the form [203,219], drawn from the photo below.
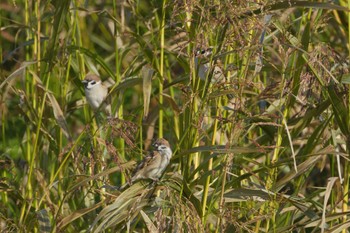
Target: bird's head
[162,146]
[91,80]
[203,53]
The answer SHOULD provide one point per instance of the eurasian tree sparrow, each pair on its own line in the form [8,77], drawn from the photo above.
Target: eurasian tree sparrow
[154,164]
[204,68]
[96,93]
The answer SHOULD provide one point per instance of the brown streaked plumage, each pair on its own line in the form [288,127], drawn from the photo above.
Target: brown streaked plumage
[153,165]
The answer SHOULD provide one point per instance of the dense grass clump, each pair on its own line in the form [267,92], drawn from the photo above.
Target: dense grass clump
[252,96]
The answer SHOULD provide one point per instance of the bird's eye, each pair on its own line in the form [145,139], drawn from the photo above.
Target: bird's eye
[162,147]
[93,82]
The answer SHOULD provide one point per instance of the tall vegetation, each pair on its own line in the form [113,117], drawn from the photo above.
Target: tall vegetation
[266,150]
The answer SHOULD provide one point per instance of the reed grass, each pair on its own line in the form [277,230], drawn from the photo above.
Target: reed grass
[273,158]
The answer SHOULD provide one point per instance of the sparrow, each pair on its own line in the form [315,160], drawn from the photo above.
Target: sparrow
[204,66]
[154,164]
[96,93]
[202,57]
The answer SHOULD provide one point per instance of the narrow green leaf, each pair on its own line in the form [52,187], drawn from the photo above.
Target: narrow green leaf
[147,74]
[150,226]
[93,56]
[340,109]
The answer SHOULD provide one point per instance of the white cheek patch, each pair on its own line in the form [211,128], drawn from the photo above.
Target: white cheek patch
[207,53]
[90,85]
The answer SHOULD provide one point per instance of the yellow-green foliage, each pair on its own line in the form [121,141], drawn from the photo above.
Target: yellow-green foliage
[265,149]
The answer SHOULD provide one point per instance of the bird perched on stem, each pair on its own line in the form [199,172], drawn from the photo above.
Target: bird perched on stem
[206,68]
[154,164]
[96,93]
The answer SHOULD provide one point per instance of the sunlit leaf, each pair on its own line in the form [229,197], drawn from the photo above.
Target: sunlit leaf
[147,74]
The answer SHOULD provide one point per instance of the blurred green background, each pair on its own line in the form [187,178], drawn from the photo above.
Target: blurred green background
[265,149]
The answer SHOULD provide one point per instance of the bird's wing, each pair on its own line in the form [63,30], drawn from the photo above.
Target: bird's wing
[143,163]
[147,167]
[109,82]
[107,105]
